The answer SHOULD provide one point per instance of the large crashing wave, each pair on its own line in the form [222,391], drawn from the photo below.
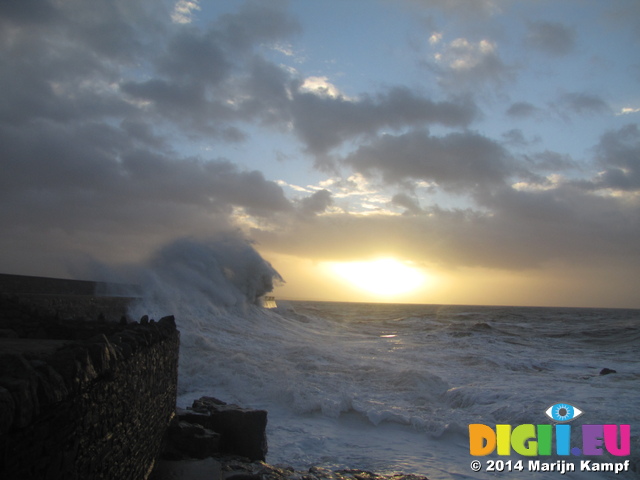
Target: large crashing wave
[222,272]
[227,340]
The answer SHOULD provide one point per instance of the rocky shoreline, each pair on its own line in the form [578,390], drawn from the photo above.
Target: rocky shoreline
[239,468]
[214,441]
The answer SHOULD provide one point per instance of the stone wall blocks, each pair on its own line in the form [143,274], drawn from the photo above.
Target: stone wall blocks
[15,366]
[131,339]
[24,400]
[168,321]
[7,410]
[51,387]
[93,408]
[100,357]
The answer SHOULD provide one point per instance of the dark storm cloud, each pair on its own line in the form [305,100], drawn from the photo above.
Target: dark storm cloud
[618,152]
[26,11]
[457,162]
[551,37]
[316,203]
[207,79]
[88,168]
[91,191]
[324,122]
[410,204]
[105,164]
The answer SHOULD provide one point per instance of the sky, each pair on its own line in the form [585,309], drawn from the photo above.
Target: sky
[422,151]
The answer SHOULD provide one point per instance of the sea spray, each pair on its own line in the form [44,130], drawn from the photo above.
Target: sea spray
[222,272]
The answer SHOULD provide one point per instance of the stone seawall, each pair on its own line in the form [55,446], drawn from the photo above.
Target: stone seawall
[82,398]
[70,299]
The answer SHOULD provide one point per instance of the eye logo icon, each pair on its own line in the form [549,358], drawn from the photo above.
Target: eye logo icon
[563,412]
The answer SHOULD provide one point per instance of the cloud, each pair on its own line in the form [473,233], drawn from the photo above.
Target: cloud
[627,111]
[100,98]
[464,65]
[411,205]
[183,11]
[552,38]
[316,203]
[456,162]
[521,230]
[468,9]
[207,79]
[118,173]
[96,97]
[325,122]
[213,79]
[551,161]
[581,104]
[521,110]
[510,230]
[618,152]
[321,86]
[87,168]
[514,137]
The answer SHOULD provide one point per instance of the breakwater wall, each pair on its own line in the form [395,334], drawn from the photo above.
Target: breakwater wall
[71,299]
[82,395]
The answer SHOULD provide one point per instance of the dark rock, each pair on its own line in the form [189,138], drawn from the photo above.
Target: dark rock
[241,476]
[234,468]
[207,469]
[607,371]
[242,430]
[192,440]
[202,404]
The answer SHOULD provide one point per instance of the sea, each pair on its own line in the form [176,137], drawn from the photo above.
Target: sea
[393,388]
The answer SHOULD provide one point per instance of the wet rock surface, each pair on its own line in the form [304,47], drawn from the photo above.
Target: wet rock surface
[236,468]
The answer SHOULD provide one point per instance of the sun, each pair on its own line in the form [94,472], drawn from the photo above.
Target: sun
[383,276]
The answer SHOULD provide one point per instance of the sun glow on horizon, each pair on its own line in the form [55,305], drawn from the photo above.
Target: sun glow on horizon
[384,276]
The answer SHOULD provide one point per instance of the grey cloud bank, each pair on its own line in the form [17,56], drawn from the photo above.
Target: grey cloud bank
[99,99]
